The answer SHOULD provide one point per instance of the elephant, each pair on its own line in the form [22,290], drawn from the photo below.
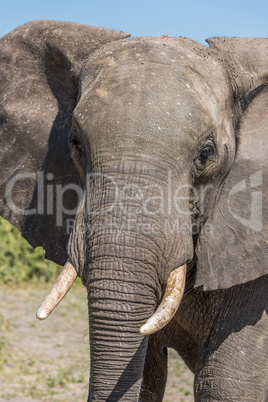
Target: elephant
[142,162]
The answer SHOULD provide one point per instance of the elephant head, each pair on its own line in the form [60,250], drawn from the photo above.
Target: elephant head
[132,157]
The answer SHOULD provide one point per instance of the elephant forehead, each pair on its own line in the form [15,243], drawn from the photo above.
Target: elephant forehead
[172,65]
[147,107]
[147,94]
[174,52]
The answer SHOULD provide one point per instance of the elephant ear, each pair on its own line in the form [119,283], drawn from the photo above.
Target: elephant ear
[39,186]
[233,245]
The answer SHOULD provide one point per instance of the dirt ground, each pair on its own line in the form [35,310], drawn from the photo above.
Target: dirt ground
[49,360]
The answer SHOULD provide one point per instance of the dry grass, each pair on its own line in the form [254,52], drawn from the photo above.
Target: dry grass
[48,361]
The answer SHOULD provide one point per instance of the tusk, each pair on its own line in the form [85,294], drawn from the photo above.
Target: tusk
[59,289]
[170,303]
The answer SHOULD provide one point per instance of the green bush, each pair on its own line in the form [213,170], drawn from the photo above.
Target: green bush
[19,262]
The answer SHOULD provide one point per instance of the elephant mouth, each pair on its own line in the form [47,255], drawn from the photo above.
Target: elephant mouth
[164,313]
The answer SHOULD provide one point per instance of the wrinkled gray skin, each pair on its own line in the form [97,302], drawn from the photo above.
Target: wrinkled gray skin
[167,128]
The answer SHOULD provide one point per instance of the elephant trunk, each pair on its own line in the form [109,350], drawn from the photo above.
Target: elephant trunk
[117,349]
[125,265]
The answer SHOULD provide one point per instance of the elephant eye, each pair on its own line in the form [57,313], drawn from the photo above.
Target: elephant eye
[205,153]
[77,144]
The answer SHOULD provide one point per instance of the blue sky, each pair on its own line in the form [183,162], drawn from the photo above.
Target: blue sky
[195,19]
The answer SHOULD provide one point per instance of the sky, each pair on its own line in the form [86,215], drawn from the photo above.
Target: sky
[195,19]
